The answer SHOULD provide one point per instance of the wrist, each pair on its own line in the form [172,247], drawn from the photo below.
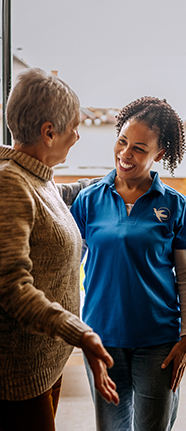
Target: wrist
[84,337]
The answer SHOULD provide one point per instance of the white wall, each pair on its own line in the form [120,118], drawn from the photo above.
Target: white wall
[94,151]
[18,67]
[93,154]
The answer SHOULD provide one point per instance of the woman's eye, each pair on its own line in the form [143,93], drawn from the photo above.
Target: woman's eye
[140,150]
[122,142]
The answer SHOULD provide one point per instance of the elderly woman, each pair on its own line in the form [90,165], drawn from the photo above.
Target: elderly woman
[39,258]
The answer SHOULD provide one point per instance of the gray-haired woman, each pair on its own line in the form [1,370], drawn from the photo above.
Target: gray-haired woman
[40,257]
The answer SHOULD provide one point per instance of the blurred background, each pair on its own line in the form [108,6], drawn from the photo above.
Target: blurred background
[110,52]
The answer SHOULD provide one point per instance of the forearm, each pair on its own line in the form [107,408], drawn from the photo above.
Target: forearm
[68,192]
[20,297]
[180,265]
[29,306]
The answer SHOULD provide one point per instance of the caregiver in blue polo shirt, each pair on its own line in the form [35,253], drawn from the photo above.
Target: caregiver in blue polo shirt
[135,273]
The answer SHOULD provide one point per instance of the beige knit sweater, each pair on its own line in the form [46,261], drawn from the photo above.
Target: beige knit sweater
[40,248]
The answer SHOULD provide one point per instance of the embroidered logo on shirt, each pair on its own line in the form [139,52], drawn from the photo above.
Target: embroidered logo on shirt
[162,214]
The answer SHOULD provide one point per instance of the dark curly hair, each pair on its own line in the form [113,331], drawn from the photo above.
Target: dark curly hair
[159,114]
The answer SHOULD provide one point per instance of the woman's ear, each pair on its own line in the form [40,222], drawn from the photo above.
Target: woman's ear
[160,155]
[47,133]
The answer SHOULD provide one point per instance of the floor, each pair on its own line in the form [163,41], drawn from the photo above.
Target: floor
[76,410]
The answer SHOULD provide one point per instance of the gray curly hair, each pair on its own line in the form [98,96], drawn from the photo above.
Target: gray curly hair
[35,99]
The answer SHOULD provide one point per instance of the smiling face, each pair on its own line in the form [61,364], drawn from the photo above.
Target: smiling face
[135,151]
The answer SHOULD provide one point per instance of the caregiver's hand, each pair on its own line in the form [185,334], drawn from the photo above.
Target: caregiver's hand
[178,356]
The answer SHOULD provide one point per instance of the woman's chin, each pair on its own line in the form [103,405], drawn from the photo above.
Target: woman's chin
[63,161]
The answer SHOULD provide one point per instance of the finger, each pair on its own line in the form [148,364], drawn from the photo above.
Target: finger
[111,383]
[175,374]
[112,389]
[176,381]
[106,357]
[110,397]
[167,361]
[178,378]
[109,394]
[115,398]
[105,385]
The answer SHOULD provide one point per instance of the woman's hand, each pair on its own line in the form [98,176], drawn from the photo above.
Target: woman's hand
[178,356]
[99,359]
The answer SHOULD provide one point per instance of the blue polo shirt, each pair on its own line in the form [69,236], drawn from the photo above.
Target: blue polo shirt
[131,297]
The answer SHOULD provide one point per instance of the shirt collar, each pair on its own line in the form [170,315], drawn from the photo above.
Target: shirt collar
[109,178]
[156,185]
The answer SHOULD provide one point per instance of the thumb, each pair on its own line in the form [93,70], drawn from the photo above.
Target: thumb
[102,353]
[107,358]
[92,342]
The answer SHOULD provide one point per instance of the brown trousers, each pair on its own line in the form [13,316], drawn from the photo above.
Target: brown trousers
[36,414]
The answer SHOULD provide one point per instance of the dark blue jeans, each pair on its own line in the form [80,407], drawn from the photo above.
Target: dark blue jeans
[146,400]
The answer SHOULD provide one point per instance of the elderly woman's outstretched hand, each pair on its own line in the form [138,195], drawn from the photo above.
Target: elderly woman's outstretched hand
[99,360]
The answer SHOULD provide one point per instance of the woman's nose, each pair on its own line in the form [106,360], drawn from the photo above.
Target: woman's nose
[127,151]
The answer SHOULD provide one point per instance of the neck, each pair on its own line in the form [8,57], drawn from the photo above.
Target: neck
[130,191]
[35,150]
[132,185]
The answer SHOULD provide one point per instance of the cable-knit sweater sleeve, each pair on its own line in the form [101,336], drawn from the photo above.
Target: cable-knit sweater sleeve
[19,297]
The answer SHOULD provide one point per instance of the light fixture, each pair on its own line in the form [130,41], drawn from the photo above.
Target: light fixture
[88,122]
[97,121]
[104,118]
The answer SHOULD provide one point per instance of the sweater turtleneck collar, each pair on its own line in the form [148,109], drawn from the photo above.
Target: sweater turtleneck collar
[32,165]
